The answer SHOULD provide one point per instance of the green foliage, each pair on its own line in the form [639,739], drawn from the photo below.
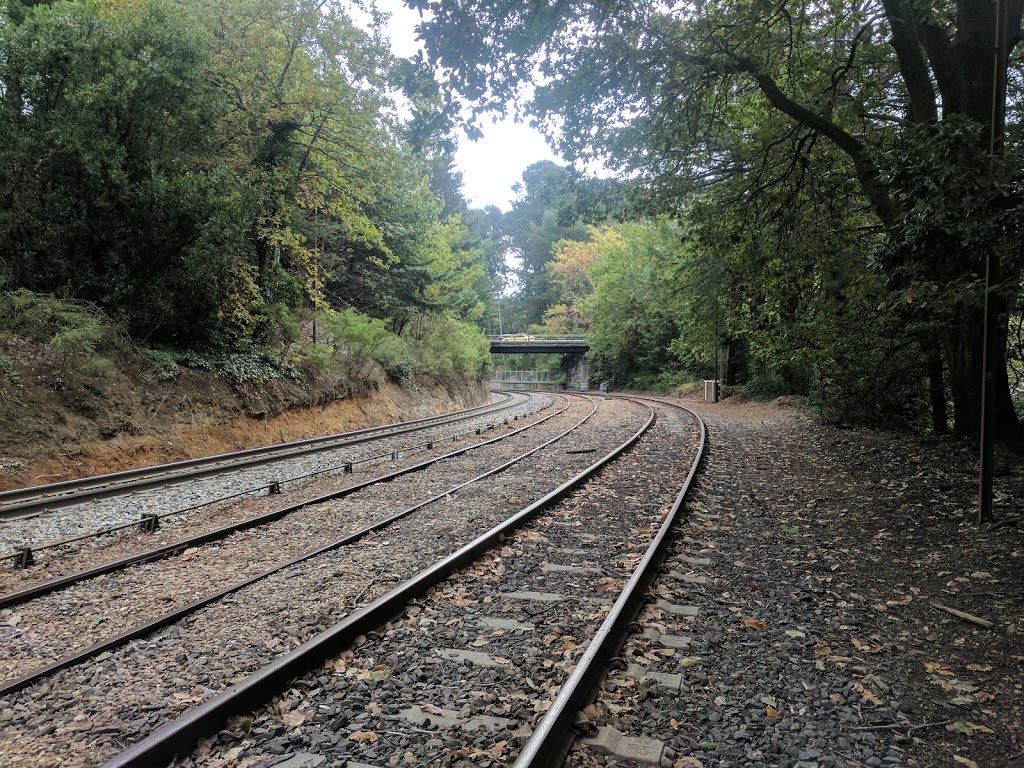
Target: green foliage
[237,367]
[766,387]
[207,173]
[402,371]
[314,359]
[249,368]
[452,348]
[809,136]
[8,373]
[365,339]
[71,332]
[164,362]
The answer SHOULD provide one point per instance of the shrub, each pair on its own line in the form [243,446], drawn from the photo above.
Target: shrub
[766,386]
[314,359]
[8,373]
[164,362]
[71,331]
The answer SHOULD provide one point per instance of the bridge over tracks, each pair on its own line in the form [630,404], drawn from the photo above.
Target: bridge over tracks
[521,343]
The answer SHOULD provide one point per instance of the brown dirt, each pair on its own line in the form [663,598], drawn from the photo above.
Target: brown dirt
[86,423]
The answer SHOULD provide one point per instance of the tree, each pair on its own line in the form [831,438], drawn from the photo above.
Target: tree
[532,228]
[660,93]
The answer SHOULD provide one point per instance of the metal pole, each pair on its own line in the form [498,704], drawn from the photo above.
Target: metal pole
[987,422]
[987,434]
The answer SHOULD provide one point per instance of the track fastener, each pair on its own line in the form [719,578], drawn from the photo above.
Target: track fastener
[25,558]
[150,522]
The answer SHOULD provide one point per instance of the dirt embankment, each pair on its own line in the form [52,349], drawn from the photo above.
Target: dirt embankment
[126,417]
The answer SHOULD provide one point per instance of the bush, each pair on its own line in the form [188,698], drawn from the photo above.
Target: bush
[314,359]
[252,368]
[8,373]
[71,331]
[452,347]
[164,362]
[401,372]
[366,339]
[767,387]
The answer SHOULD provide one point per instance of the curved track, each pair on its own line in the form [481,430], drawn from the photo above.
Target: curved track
[181,488]
[220,532]
[456,513]
[39,499]
[496,648]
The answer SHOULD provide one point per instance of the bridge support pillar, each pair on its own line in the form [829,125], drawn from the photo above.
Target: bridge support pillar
[579,372]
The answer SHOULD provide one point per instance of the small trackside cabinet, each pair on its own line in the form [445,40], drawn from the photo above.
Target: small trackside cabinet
[710,391]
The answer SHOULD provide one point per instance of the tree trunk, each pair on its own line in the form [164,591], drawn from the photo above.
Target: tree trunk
[964,345]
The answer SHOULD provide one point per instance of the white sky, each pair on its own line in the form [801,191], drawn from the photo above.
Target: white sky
[491,165]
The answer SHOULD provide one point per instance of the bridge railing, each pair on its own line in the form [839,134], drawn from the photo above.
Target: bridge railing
[535,337]
[542,376]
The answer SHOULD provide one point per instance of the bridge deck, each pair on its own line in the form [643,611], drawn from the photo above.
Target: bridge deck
[539,345]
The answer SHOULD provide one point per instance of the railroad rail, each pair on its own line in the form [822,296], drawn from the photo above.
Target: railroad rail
[25,554]
[39,499]
[144,628]
[178,546]
[609,519]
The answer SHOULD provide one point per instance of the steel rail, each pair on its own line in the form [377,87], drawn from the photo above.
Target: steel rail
[264,487]
[160,747]
[33,500]
[175,547]
[553,737]
[17,684]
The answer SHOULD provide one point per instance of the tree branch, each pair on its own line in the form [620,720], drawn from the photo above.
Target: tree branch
[913,65]
[867,172]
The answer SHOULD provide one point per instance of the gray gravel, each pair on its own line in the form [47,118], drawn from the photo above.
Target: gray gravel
[101,549]
[418,693]
[57,624]
[82,715]
[103,513]
[760,687]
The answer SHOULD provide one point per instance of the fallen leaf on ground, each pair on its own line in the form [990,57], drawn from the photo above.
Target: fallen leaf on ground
[362,737]
[294,719]
[751,623]
[958,727]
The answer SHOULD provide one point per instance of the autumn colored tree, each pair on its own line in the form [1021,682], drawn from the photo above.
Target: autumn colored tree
[912,94]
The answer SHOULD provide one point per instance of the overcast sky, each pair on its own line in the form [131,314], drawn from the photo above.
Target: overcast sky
[491,165]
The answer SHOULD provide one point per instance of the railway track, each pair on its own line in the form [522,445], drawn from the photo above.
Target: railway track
[212,569]
[39,499]
[164,671]
[218,485]
[495,663]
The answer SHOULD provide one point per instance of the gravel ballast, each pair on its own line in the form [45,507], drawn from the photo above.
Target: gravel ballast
[83,715]
[815,557]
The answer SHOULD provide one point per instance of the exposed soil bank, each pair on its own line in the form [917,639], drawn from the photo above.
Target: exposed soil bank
[127,419]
